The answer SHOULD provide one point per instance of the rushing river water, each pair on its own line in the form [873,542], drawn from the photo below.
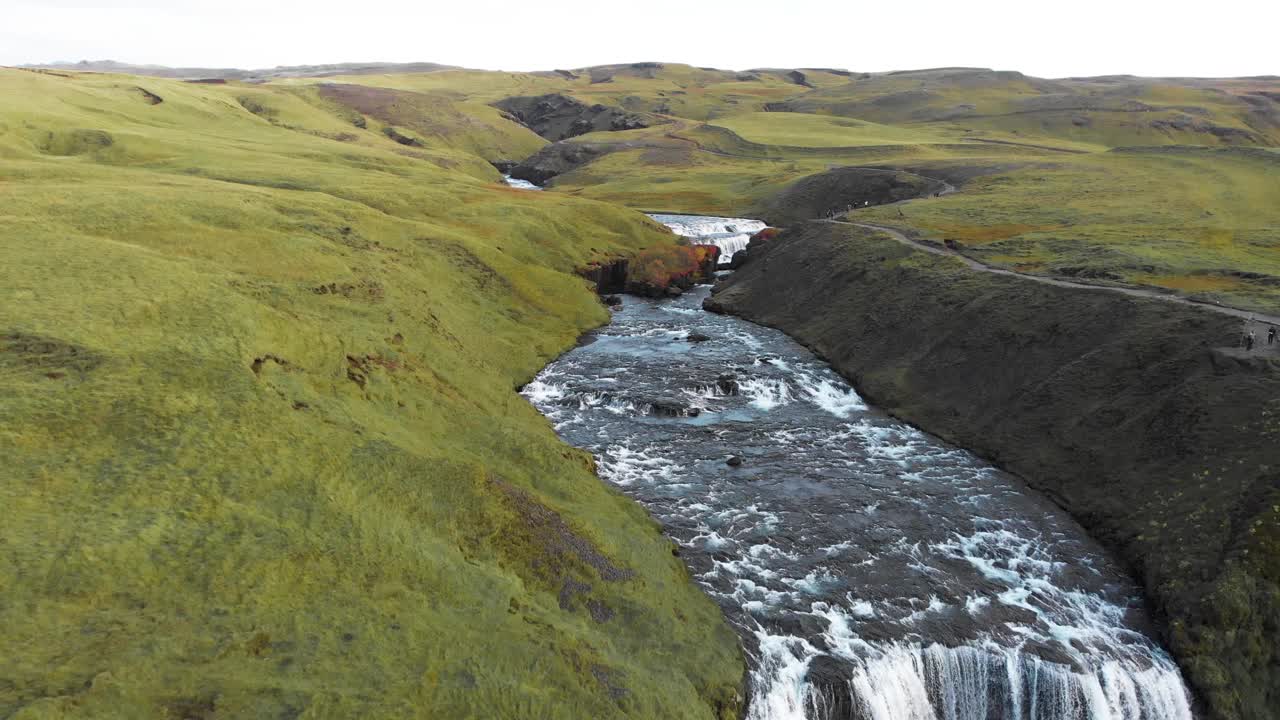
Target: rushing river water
[873,571]
[519,184]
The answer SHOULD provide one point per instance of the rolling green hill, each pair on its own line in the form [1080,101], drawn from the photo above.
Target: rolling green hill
[803,130]
[261,341]
[263,451]
[1169,183]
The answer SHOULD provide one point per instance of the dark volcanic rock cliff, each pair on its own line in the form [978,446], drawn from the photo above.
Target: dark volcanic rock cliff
[559,117]
[557,159]
[1139,416]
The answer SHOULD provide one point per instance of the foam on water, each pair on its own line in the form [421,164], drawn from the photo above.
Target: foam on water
[832,397]
[541,391]
[520,184]
[766,393]
[873,571]
[622,465]
[731,235]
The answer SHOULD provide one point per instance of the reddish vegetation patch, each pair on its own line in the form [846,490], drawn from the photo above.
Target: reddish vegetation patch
[768,233]
[378,102]
[395,107]
[707,254]
[657,269]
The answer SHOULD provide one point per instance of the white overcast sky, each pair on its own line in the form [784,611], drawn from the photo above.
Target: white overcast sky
[1046,39]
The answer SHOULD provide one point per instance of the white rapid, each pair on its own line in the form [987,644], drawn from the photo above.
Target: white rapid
[873,571]
[519,184]
[731,235]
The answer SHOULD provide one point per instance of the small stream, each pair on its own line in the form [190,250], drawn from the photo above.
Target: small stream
[519,184]
[872,570]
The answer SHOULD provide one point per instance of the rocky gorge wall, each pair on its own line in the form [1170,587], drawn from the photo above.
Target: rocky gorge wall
[1138,416]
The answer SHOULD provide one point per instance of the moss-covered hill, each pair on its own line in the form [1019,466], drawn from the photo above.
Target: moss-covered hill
[1170,183]
[262,453]
[261,449]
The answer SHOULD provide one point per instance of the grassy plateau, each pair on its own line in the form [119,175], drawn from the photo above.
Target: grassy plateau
[1170,183]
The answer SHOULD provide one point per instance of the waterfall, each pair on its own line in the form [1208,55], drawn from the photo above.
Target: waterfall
[909,682]
[731,235]
[519,184]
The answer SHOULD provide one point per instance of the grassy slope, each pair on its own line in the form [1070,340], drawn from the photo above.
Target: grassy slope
[1058,187]
[1106,113]
[228,242]
[1185,219]
[676,90]
[263,453]
[802,130]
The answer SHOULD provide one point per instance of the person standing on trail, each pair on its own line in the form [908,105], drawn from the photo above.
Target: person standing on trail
[1271,335]
[1248,343]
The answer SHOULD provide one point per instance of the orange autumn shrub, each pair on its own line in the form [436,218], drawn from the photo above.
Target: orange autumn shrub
[658,268]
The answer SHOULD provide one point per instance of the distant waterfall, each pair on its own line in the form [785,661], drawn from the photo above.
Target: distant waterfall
[519,184]
[731,235]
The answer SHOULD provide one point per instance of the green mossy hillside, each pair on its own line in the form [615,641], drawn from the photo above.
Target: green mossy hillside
[1202,222]
[263,454]
[1167,183]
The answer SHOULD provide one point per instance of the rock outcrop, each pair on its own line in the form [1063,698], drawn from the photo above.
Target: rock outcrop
[609,277]
[557,159]
[560,117]
[1140,417]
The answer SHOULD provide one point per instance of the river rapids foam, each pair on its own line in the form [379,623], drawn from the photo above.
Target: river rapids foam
[872,571]
[731,235]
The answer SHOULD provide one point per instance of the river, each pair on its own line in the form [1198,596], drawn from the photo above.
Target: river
[872,570]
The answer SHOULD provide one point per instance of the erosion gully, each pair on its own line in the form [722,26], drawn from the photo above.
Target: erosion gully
[873,571]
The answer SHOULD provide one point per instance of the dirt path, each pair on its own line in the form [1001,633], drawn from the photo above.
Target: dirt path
[1011,143]
[1254,321]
